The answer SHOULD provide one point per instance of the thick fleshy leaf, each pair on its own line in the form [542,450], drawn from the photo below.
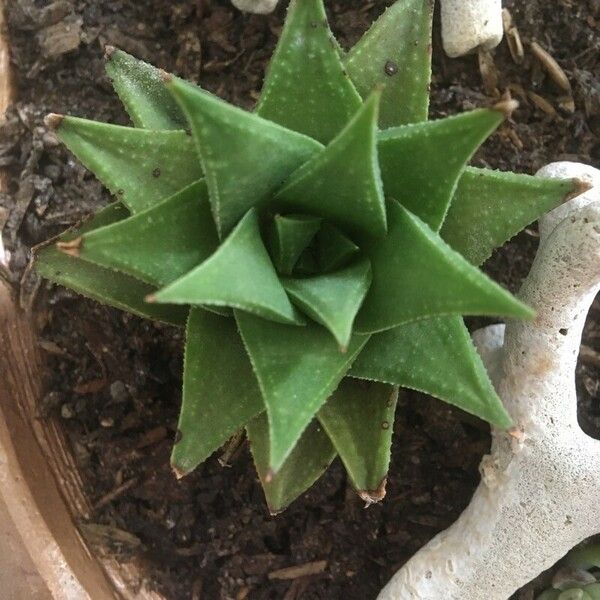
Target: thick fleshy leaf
[421,163]
[306,463]
[245,157]
[142,92]
[239,275]
[160,244]
[359,420]
[490,207]
[435,356]
[220,391]
[289,236]
[297,370]
[104,285]
[306,88]
[396,53]
[416,275]
[139,166]
[342,183]
[332,299]
[334,249]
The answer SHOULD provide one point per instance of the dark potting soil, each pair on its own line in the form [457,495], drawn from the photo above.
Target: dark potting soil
[114,380]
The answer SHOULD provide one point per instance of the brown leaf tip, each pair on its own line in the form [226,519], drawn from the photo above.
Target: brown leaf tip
[53,121]
[72,248]
[580,186]
[109,51]
[166,77]
[373,496]
[179,474]
[506,106]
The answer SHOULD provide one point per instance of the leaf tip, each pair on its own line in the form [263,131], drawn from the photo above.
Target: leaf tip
[506,106]
[72,247]
[580,186]
[53,121]
[108,52]
[150,299]
[373,496]
[178,472]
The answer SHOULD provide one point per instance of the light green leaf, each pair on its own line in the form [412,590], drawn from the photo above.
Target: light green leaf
[359,420]
[306,463]
[396,53]
[342,183]
[416,275]
[435,356]
[332,299]
[549,595]
[593,591]
[422,163]
[306,88]
[585,557]
[297,370]
[142,92]
[239,275]
[220,392]
[104,285]
[245,158]
[490,207]
[289,236]
[160,244]
[334,248]
[141,167]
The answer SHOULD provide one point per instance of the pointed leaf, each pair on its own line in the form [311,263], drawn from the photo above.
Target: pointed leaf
[239,274]
[396,52]
[422,163]
[435,356]
[306,88]
[342,183]
[245,158]
[416,275]
[160,244]
[297,370]
[142,92]
[104,285]
[306,463]
[220,391]
[290,236]
[490,207]
[359,420]
[333,299]
[334,248]
[139,166]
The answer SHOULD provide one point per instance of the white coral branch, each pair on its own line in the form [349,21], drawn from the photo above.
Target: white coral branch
[539,492]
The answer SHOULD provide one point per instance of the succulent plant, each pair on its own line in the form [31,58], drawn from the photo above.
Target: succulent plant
[321,250]
[579,579]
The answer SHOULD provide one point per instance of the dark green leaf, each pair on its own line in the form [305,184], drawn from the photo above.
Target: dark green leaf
[435,356]
[220,392]
[416,275]
[104,285]
[359,420]
[421,164]
[159,244]
[305,464]
[245,158]
[239,275]
[306,88]
[297,370]
[342,183]
[396,52]
[490,207]
[334,248]
[290,236]
[333,299]
[143,93]
[139,166]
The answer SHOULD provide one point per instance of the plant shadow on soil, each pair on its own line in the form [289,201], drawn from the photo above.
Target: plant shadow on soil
[114,380]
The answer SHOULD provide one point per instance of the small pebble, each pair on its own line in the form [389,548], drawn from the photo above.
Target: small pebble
[118,391]
[66,411]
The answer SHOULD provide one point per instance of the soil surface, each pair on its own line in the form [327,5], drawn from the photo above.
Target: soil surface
[114,380]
